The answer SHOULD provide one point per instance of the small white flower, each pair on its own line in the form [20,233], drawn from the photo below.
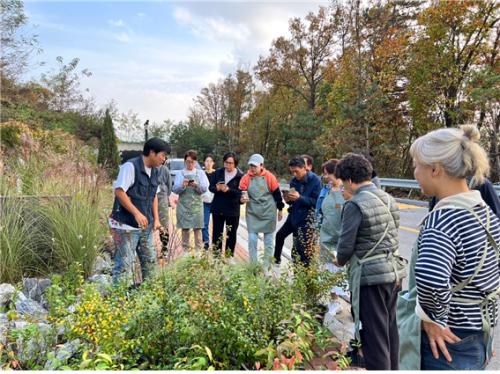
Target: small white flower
[80,236]
[83,247]
[53,240]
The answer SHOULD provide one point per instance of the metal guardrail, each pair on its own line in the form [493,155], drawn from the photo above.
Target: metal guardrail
[413,184]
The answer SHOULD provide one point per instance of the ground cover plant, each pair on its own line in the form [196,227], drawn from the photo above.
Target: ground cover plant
[196,313]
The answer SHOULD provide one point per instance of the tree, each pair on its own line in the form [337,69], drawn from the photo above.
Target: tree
[65,86]
[184,137]
[108,156]
[298,62]
[452,37]
[17,45]
[238,92]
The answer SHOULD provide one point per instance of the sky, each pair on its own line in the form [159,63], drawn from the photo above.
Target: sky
[154,57]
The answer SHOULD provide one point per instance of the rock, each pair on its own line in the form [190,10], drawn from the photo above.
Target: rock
[34,288]
[62,355]
[102,265]
[4,328]
[340,323]
[30,308]
[102,281]
[6,292]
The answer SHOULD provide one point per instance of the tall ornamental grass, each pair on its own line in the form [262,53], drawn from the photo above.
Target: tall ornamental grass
[75,230]
[22,248]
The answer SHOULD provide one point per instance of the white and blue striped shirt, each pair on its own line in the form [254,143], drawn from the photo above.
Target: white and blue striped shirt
[450,246]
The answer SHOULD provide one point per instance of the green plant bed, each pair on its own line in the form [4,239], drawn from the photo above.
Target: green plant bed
[195,314]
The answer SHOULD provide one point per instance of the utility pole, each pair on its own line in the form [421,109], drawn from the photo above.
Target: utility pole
[146,125]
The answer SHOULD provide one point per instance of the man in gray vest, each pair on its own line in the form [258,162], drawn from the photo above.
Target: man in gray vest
[368,243]
[164,190]
[135,211]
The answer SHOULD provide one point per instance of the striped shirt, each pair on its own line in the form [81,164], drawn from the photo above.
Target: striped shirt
[450,245]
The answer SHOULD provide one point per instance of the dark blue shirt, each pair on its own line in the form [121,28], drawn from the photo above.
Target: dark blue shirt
[303,209]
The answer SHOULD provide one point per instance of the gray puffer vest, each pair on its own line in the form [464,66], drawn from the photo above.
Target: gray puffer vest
[373,225]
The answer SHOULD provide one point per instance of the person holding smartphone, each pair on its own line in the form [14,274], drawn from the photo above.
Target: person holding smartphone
[190,184]
[225,206]
[261,192]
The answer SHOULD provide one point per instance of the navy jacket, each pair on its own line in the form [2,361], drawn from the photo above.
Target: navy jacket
[302,210]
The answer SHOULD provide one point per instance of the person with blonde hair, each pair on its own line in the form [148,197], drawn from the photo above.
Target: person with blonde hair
[454,265]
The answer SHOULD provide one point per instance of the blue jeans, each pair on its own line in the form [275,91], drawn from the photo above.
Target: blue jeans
[253,238]
[206,221]
[128,243]
[468,354]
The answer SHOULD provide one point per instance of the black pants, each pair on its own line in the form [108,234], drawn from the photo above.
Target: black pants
[379,333]
[232,223]
[302,242]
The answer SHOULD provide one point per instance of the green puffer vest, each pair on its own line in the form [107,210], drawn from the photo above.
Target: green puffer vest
[375,220]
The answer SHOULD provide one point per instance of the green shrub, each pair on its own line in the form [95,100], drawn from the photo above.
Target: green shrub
[234,311]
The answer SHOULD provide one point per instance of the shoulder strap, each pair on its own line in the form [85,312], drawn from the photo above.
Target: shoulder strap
[489,239]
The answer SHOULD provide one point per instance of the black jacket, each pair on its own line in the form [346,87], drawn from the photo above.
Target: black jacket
[226,203]
[488,194]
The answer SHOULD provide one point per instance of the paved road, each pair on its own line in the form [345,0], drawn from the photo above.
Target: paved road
[411,216]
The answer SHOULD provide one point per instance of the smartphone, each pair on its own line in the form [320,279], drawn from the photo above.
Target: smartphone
[221,182]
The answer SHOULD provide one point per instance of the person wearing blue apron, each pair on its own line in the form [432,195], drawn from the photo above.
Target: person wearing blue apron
[190,184]
[369,243]
[330,213]
[264,204]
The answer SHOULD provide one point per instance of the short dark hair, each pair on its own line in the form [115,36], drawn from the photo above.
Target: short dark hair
[209,155]
[233,155]
[156,145]
[330,166]
[354,167]
[309,159]
[191,153]
[297,162]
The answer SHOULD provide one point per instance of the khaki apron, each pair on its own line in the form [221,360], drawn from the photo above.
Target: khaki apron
[261,209]
[409,324]
[331,209]
[189,211]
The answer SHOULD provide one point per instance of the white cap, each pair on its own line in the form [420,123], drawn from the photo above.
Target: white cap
[256,160]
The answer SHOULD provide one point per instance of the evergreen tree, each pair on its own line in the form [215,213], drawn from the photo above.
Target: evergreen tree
[109,157]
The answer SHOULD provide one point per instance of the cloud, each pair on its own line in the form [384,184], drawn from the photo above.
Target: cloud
[214,28]
[116,23]
[123,37]
[246,28]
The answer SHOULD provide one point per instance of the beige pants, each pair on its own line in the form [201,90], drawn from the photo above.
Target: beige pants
[198,241]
